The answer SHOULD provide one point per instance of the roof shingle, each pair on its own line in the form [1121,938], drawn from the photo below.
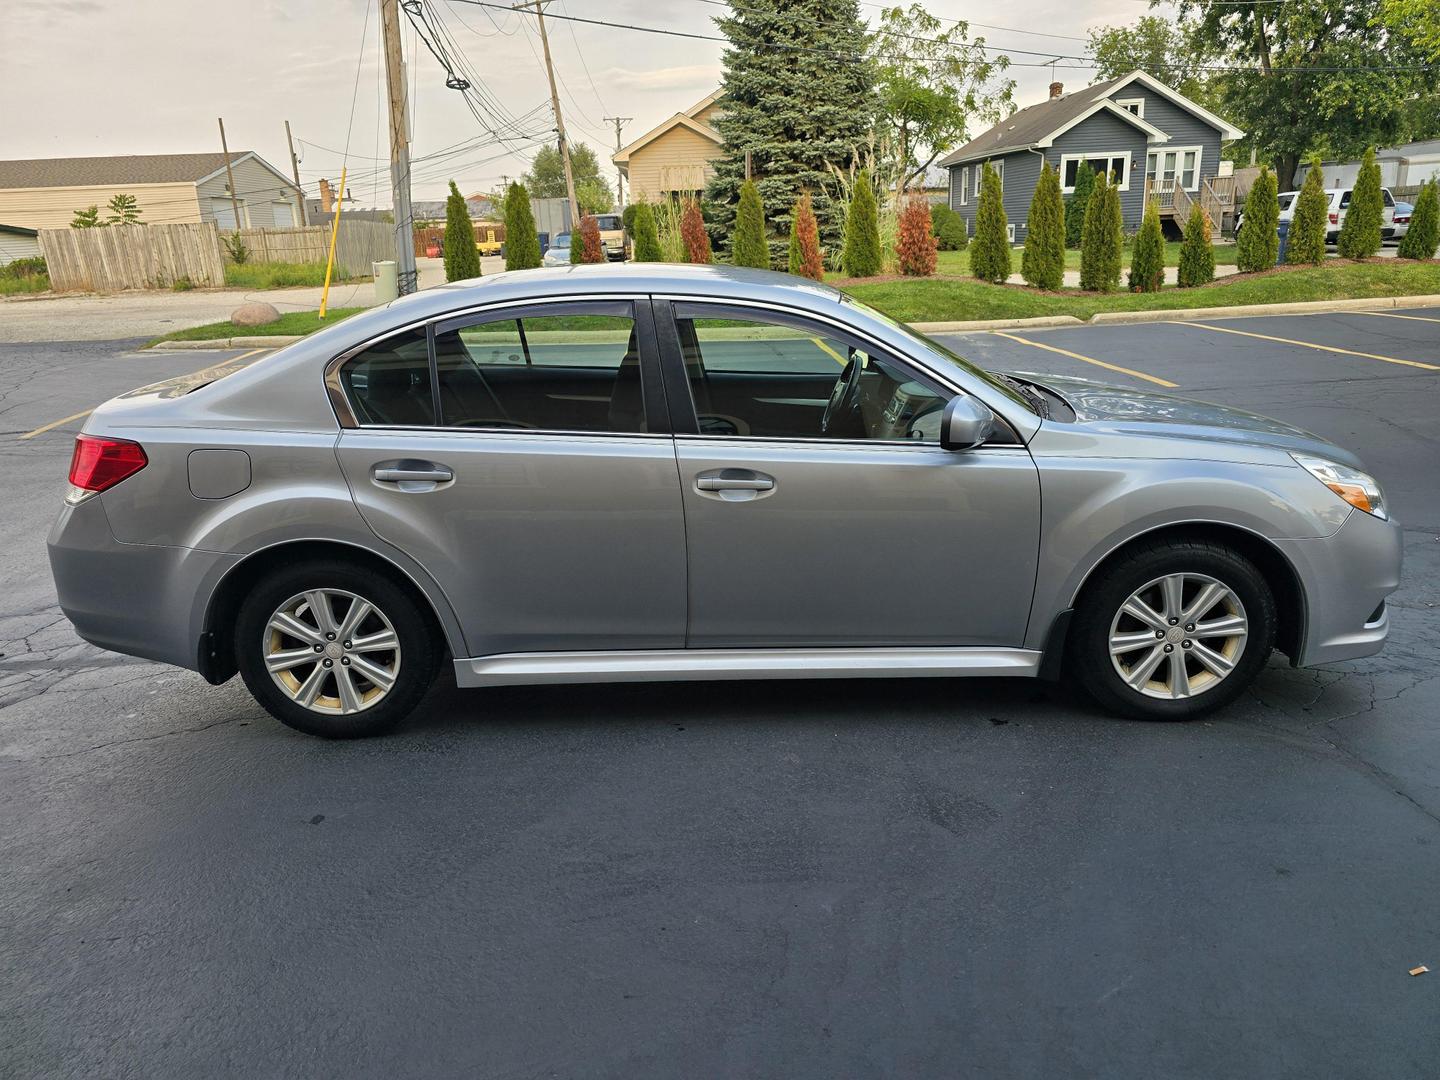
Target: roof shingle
[1029,125]
[96,171]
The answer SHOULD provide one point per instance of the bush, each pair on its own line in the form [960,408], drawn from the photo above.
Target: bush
[647,237]
[692,231]
[182,284]
[234,245]
[1360,232]
[1147,261]
[1101,239]
[1311,221]
[1423,236]
[748,246]
[1076,205]
[862,256]
[915,247]
[949,228]
[990,252]
[462,260]
[522,242]
[24,268]
[805,257]
[627,217]
[1258,245]
[589,246]
[1197,256]
[1042,263]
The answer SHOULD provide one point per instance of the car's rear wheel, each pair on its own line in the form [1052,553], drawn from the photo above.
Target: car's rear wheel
[333,650]
[1173,630]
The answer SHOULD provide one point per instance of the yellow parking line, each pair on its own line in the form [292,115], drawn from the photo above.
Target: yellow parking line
[838,358]
[79,415]
[1088,359]
[1392,315]
[1321,348]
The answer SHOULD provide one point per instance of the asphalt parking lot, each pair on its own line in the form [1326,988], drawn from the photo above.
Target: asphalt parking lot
[881,878]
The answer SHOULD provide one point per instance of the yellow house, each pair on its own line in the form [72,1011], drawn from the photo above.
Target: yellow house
[673,158]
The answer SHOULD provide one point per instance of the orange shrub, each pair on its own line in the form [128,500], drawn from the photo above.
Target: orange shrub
[915,248]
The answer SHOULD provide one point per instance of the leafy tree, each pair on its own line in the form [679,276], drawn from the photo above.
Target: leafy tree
[748,245]
[1076,205]
[915,246]
[1416,20]
[89,218]
[1423,236]
[1157,46]
[862,256]
[647,235]
[462,258]
[990,251]
[1197,254]
[797,98]
[124,210]
[1311,221]
[546,178]
[593,197]
[1147,261]
[692,231]
[1042,263]
[1360,231]
[522,242]
[931,83]
[805,257]
[1258,244]
[1101,239]
[589,246]
[949,228]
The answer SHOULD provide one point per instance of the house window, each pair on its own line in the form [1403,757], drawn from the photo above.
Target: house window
[1165,168]
[1132,105]
[1010,231]
[999,167]
[965,185]
[1115,166]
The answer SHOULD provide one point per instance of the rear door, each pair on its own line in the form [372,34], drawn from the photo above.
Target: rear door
[523,457]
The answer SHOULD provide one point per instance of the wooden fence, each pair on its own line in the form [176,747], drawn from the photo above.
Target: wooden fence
[133,257]
[359,244]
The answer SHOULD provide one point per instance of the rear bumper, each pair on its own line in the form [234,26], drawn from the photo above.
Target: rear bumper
[138,599]
[1346,578]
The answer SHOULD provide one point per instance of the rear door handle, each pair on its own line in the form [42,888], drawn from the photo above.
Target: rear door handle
[395,476]
[730,483]
[408,474]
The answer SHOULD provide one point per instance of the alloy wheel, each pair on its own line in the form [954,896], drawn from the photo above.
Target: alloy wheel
[1178,636]
[331,651]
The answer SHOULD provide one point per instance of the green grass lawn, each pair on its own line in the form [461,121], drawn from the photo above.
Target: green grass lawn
[29,283]
[958,262]
[274,275]
[951,299]
[291,323]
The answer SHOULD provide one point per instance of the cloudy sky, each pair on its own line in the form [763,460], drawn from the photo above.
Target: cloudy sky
[90,77]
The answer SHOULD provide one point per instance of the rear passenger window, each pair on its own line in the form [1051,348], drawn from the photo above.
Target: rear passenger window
[577,372]
[389,383]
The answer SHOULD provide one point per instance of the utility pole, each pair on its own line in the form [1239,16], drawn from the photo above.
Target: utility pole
[619,122]
[399,148]
[299,188]
[539,6]
[229,175]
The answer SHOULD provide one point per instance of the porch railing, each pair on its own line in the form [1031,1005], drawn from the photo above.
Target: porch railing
[1216,196]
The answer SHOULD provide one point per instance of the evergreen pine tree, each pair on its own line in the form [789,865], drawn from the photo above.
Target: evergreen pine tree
[1197,254]
[462,258]
[522,242]
[1076,205]
[1307,228]
[915,245]
[990,250]
[805,257]
[1423,236]
[748,246]
[647,235]
[1147,261]
[862,256]
[796,97]
[1101,239]
[1258,244]
[1043,261]
[1360,231]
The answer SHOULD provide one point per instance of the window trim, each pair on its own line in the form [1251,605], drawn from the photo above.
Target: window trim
[965,185]
[1010,231]
[1138,102]
[1179,152]
[1109,156]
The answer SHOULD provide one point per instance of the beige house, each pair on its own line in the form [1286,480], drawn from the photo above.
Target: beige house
[673,158]
[44,193]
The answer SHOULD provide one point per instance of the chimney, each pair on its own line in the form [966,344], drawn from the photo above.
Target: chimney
[327,197]
[1056,90]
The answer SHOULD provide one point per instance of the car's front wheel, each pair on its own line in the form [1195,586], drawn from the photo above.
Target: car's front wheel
[333,650]
[1173,630]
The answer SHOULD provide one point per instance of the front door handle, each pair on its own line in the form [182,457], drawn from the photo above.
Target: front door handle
[734,485]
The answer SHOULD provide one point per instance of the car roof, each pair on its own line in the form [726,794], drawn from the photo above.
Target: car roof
[719,282]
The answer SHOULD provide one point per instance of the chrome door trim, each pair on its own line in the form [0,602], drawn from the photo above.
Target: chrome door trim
[645,665]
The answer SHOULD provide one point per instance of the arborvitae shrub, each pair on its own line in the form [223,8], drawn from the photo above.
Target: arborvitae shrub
[990,250]
[1147,260]
[1042,263]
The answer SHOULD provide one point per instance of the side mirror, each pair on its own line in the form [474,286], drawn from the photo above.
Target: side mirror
[965,424]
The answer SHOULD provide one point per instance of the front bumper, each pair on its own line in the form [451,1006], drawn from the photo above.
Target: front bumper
[1346,578]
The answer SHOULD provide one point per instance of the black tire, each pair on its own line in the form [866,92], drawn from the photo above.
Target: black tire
[1089,661]
[417,660]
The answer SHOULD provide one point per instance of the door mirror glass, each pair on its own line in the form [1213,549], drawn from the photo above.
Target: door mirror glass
[966,424]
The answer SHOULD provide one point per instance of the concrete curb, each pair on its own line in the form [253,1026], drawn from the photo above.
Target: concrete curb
[233,343]
[996,324]
[1301,307]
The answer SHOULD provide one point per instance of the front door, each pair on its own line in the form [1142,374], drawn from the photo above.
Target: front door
[539,487]
[820,508]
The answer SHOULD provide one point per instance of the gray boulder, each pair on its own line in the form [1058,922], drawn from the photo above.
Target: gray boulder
[255,313]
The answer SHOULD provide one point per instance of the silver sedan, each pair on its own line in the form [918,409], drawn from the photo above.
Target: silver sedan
[663,472]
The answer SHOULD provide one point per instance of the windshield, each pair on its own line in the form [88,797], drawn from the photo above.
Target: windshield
[943,350]
[608,222]
[563,240]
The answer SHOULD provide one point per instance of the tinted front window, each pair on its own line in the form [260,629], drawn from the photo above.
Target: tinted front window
[608,222]
[389,383]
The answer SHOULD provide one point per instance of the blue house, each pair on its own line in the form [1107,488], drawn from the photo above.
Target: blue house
[1152,141]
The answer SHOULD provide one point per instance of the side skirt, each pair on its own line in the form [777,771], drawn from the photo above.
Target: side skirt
[662,665]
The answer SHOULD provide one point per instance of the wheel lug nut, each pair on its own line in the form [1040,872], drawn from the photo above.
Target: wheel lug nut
[346,660]
[331,637]
[1185,644]
[331,663]
[1173,620]
[1168,648]
[1158,634]
[347,644]
[1189,627]
[319,648]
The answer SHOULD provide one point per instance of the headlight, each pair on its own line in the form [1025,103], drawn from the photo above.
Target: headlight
[1357,488]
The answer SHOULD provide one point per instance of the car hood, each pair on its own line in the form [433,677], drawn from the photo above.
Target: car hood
[1125,410]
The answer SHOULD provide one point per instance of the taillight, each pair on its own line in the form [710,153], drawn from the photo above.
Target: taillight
[99,463]
[1334,219]
[1402,220]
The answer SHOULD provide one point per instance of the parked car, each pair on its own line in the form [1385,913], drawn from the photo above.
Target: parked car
[1340,203]
[695,472]
[558,253]
[1286,201]
[1403,210]
[612,236]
